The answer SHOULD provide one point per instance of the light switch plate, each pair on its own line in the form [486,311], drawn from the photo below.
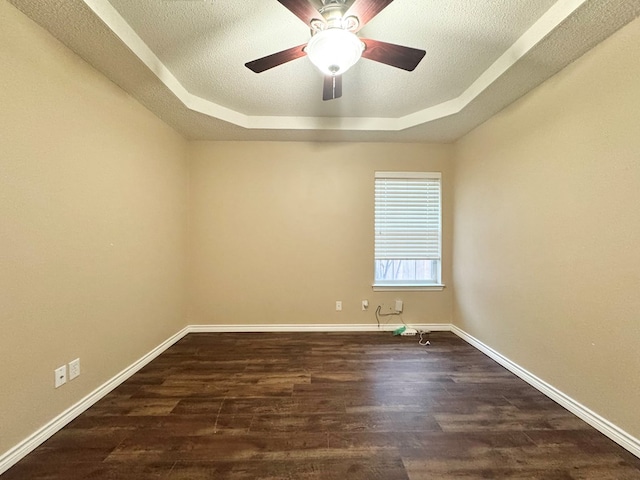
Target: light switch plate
[74,368]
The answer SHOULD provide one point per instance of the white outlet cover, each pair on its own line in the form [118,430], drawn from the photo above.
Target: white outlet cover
[74,368]
[339,306]
[60,376]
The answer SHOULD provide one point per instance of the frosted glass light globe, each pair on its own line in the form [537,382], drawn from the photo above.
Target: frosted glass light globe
[334,50]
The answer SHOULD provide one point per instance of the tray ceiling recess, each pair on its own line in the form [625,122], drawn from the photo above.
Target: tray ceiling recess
[185,61]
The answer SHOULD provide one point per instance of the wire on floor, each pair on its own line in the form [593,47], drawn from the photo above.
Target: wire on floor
[422,341]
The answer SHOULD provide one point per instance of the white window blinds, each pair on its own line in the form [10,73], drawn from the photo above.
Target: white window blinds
[407,216]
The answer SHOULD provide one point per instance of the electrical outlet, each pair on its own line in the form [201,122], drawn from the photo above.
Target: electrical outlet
[338,306]
[74,368]
[365,304]
[60,376]
[399,306]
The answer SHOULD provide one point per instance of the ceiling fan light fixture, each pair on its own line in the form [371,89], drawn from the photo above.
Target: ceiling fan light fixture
[334,50]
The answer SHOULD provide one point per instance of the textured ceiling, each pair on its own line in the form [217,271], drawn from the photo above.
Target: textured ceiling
[184,60]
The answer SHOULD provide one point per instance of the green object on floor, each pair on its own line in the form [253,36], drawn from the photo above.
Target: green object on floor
[398,331]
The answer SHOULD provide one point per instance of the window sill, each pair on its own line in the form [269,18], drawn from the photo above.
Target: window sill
[408,288]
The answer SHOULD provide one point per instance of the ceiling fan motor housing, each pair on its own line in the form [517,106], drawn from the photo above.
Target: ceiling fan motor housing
[333,13]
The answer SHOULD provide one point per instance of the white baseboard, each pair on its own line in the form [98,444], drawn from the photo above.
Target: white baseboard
[330,327]
[601,424]
[17,453]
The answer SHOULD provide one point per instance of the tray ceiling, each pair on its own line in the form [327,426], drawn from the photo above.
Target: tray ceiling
[184,60]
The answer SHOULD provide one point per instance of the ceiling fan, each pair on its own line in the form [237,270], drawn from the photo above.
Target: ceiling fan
[334,46]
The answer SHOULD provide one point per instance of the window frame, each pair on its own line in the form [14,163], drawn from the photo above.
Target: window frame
[415,285]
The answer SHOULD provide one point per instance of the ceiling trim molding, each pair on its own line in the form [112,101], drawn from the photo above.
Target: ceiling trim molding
[546,24]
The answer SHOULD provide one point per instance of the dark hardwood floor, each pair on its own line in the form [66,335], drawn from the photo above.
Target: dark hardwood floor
[325,406]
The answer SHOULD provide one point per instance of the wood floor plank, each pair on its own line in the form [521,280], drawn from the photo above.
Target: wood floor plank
[325,406]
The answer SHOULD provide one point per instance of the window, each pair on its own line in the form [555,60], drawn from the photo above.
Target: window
[407,229]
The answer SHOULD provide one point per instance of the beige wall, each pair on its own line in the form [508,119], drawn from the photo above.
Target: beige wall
[547,231]
[280,231]
[92,227]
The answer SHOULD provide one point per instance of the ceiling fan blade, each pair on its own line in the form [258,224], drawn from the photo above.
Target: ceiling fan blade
[365,10]
[275,59]
[303,10]
[332,87]
[398,56]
